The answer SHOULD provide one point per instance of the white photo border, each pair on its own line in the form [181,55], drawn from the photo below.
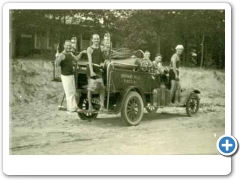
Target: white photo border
[112,164]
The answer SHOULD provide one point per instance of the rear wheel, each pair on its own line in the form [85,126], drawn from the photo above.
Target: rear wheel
[132,111]
[151,108]
[192,105]
[83,104]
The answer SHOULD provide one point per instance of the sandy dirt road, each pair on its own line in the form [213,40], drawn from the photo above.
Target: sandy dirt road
[47,131]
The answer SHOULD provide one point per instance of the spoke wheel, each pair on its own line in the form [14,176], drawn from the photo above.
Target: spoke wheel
[192,105]
[132,111]
[83,104]
[151,108]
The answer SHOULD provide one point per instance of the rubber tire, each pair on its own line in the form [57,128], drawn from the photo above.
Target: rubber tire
[193,95]
[83,116]
[126,120]
[151,111]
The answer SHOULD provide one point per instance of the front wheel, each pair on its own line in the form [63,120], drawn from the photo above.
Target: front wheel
[132,111]
[192,105]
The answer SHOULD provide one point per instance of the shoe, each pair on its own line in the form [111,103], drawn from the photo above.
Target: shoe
[69,112]
[91,110]
[178,104]
[79,110]
[102,111]
[75,111]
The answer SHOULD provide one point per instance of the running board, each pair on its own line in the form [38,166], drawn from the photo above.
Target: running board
[62,108]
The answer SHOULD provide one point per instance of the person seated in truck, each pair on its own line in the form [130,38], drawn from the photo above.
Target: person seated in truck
[159,70]
[94,72]
[147,58]
[147,55]
[157,63]
[145,63]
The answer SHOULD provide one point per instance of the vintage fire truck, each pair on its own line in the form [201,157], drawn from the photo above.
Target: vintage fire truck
[130,90]
[131,87]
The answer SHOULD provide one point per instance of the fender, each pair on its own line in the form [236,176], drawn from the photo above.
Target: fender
[184,95]
[123,95]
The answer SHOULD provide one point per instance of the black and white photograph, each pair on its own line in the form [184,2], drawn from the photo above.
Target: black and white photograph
[119,80]
[116,81]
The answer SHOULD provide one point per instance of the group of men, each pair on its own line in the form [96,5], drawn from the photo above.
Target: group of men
[173,71]
[65,61]
[95,54]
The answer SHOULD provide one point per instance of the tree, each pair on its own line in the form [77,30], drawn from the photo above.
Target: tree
[200,31]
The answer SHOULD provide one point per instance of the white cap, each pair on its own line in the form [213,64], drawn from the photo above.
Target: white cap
[179,47]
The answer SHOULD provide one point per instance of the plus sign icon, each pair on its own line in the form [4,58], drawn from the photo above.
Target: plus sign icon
[227,145]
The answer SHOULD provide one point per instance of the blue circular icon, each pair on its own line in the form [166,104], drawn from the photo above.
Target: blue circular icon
[227,145]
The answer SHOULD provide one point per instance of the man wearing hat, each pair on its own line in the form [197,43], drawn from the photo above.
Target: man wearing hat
[174,74]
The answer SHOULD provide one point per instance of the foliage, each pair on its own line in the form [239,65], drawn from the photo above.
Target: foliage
[202,32]
[187,27]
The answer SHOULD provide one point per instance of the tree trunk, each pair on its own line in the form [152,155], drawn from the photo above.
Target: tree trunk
[206,60]
[41,42]
[202,51]
[81,42]
[13,43]
[210,58]
[187,59]
[52,48]
[220,59]
[158,43]
[184,58]
[64,19]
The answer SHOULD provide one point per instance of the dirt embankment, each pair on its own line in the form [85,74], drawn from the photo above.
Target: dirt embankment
[30,82]
[211,83]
